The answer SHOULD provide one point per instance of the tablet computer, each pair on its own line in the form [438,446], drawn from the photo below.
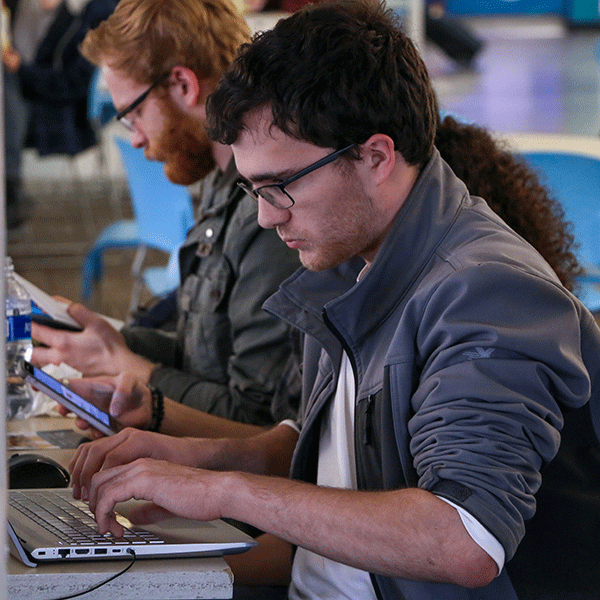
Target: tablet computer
[63,395]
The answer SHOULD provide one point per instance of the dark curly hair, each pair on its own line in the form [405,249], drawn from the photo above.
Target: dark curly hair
[335,73]
[490,170]
[332,74]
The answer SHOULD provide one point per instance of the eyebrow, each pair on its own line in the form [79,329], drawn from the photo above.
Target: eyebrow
[122,107]
[272,176]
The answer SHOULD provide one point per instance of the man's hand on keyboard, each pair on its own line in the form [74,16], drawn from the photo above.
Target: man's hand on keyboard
[178,490]
[123,448]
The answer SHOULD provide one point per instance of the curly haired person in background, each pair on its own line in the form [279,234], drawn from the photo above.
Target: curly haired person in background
[492,171]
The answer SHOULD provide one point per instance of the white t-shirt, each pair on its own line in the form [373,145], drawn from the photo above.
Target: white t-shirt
[314,576]
[317,578]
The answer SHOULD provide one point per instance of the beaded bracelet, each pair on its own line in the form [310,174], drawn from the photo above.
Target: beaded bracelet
[158,408]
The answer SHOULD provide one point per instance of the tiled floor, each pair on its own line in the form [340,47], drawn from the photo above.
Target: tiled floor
[532,76]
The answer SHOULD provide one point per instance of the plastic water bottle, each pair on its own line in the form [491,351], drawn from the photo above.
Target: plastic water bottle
[19,395]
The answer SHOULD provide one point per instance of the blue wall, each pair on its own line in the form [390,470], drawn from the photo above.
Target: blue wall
[582,12]
[490,7]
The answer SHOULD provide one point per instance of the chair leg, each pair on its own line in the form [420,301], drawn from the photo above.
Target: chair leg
[138,281]
[91,273]
[138,262]
[136,292]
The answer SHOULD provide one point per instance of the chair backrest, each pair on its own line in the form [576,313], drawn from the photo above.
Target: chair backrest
[456,116]
[574,180]
[100,109]
[163,210]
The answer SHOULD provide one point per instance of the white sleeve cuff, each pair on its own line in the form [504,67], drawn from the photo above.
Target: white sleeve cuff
[291,423]
[481,536]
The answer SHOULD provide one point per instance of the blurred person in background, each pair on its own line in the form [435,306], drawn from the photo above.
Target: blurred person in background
[45,69]
[26,24]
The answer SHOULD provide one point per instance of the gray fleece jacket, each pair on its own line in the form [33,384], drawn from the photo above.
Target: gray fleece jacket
[467,353]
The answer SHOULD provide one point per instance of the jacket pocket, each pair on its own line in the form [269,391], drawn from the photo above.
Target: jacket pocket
[204,329]
[367,440]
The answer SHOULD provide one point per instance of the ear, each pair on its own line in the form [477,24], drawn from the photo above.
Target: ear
[186,89]
[378,158]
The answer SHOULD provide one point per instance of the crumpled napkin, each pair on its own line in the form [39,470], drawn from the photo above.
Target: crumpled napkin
[43,404]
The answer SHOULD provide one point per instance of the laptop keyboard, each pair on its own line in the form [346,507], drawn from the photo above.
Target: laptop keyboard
[72,521]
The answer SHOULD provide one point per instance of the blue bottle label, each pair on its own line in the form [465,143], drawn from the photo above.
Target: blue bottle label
[18,327]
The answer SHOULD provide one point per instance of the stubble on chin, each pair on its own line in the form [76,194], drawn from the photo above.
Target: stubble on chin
[322,257]
[340,242]
[318,262]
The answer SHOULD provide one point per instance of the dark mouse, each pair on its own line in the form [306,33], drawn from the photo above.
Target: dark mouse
[36,471]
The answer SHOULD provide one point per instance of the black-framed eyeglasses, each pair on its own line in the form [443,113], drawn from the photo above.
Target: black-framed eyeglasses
[276,194]
[121,116]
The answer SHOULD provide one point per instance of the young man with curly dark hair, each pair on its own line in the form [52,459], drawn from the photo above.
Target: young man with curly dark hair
[443,358]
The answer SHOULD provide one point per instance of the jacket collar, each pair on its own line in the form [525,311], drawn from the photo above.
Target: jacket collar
[214,192]
[419,227]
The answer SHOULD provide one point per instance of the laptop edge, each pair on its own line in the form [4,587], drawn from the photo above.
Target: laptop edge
[183,538]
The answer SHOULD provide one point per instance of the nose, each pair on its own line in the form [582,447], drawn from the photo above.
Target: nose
[270,216]
[137,138]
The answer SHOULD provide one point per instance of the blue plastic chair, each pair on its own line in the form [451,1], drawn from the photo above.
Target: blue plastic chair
[122,234]
[457,117]
[163,215]
[574,180]
[100,111]
[100,106]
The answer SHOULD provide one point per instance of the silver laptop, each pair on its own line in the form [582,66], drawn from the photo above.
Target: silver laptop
[50,525]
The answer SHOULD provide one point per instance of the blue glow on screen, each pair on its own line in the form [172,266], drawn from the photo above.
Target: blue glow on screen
[72,396]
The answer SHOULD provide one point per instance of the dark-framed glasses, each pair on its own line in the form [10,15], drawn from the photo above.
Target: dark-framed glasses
[276,194]
[121,116]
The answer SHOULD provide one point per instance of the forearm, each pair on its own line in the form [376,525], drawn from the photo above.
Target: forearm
[407,533]
[268,453]
[404,533]
[181,420]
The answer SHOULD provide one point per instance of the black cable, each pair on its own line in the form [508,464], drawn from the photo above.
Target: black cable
[95,587]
